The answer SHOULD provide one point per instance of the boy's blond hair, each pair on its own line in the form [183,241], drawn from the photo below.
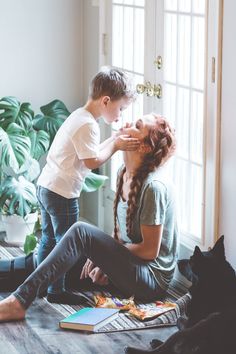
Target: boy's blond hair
[112,82]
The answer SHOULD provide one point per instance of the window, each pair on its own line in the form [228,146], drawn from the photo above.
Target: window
[180,35]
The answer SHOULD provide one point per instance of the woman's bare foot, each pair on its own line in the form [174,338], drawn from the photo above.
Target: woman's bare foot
[11,309]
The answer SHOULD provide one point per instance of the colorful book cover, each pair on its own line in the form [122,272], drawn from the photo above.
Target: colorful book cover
[89,319]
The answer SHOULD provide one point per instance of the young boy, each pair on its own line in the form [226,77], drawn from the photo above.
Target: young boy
[76,150]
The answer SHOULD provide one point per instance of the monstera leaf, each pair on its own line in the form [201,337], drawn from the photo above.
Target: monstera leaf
[39,143]
[14,146]
[30,170]
[15,112]
[54,114]
[17,196]
[93,181]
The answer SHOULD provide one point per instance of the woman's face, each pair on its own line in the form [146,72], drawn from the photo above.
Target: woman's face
[141,127]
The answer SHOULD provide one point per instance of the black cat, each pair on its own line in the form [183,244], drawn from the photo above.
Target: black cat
[211,324]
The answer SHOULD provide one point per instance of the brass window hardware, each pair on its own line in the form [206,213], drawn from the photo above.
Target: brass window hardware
[151,90]
[158,62]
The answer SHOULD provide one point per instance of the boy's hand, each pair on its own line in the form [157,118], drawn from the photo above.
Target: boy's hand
[126,143]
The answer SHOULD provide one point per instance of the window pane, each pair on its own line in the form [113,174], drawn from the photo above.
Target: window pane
[169,109]
[170,5]
[196,131]
[116,162]
[128,38]
[170,47]
[127,115]
[117,34]
[139,2]
[185,5]
[195,197]
[199,6]
[138,40]
[198,54]
[128,2]
[138,104]
[184,51]
[183,122]
[181,179]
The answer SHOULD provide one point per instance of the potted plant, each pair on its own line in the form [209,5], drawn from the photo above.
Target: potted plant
[24,139]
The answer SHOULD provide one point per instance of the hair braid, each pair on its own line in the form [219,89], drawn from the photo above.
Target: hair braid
[162,142]
[119,185]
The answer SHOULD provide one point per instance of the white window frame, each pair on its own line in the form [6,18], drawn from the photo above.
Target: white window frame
[210,222]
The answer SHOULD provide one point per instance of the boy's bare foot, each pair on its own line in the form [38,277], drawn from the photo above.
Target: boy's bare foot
[11,309]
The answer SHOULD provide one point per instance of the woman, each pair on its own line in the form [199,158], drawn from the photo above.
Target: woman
[141,257]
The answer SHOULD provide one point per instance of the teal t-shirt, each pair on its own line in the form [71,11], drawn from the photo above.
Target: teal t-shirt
[156,206]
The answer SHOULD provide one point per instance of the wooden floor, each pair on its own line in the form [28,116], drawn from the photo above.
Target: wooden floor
[39,334]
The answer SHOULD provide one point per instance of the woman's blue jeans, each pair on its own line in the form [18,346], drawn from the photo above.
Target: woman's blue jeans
[128,273]
[58,215]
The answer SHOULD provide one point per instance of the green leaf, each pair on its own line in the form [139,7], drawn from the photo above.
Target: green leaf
[37,226]
[54,114]
[55,108]
[17,196]
[30,243]
[30,170]
[15,112]
[14,146]
[39,143]
[93,182]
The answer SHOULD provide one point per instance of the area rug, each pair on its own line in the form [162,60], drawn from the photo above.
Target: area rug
[125,322]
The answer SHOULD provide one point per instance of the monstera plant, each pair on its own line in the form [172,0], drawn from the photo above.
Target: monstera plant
[24,138]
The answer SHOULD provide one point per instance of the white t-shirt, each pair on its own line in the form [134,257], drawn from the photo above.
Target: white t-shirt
[78,138]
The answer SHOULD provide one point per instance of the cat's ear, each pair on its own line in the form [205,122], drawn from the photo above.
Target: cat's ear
[197,252]
[219,248]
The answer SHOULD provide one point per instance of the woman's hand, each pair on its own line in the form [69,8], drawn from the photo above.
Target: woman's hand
[88,266]
[98,276]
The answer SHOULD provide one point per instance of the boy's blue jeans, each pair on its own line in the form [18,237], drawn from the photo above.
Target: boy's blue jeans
[126,272]
[58,214]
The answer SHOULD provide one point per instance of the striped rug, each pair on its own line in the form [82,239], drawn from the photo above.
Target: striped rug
[125,322]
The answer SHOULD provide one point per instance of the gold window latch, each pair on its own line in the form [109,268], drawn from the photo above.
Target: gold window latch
[151,90]
[158,62]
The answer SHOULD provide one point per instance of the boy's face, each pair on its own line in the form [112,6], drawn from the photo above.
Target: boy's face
[112,110]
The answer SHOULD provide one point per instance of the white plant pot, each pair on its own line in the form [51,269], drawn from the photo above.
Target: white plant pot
[2,228]
[17,227]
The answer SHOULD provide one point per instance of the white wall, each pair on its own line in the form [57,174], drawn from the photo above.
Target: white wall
[91,42]
[41,51]
[228,133]
[41,55]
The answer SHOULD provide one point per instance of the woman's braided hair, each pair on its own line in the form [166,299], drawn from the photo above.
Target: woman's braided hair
[161,140]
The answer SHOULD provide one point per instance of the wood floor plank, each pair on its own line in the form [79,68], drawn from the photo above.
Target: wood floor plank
[40,334]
